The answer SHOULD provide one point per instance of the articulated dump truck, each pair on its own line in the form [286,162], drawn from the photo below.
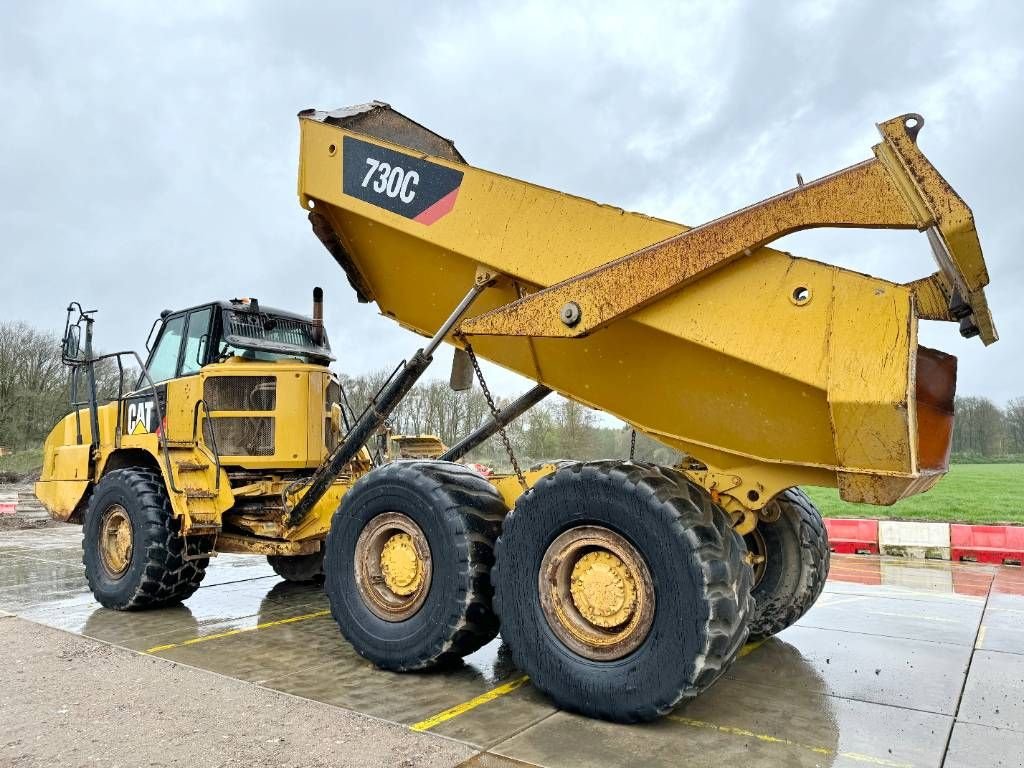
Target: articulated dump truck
[621,587]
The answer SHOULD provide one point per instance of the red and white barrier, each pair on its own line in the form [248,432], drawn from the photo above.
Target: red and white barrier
[851,536]
[8,503]
[998,544]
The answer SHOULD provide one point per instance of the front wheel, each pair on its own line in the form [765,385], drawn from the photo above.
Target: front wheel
[133,550]
[622,589]
[408,562]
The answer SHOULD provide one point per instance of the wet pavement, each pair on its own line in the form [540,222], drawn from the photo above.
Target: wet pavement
[901,663]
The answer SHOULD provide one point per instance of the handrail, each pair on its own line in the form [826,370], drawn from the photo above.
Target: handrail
[214,454]
[151,386]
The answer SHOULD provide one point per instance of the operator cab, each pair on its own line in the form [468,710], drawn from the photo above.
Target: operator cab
[191,338]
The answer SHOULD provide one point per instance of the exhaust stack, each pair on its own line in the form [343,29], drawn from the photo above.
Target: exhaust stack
[318,315]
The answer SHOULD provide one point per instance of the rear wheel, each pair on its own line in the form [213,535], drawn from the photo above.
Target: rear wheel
[791,561]
[622,589]
[300,569]
[133,550]
[408,561]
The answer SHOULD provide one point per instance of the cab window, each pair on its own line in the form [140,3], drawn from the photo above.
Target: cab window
[164,361]
[196,341]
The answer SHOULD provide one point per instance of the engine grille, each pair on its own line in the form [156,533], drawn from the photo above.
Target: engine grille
[240,393]
[241,435]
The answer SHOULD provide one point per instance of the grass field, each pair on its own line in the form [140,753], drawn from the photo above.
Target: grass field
[970,493]
[22,462]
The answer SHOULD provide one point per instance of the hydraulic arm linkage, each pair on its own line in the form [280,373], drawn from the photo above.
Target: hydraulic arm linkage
[381,408]
[898,189]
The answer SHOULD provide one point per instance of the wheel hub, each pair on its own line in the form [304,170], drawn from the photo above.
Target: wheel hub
[400,565]
[603,590]
[596,592]
[393,566]
[116,540]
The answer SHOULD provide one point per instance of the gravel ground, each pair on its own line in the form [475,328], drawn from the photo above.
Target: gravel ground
[71,701]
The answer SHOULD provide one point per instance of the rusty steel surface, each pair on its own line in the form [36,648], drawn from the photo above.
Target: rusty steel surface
[861,196]
[770,370]
[872,194]
[596,592]
[393,566]
[116,540]
[240,544]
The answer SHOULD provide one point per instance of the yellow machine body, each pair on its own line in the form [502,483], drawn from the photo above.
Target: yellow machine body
[194,448]
[769,370]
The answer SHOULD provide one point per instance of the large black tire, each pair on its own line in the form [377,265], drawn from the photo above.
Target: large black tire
[300,569]
[700,579]
[459,514]
[157,574]
[796,552]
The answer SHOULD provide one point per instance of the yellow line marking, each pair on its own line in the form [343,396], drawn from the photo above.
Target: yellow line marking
[743,732]
[466,706]
[981,636]
[501,690]
[229,633]
[749,648]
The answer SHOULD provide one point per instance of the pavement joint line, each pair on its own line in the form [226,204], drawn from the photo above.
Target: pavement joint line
[509,687]
[841,601]
[919,564]
[77,561]
[915,616]
[1007,610]
[239,631]
[802,625]
[909,595]
[466,706]
[768,738]
[981,637]
[507,737]
[830,695]
[237,581]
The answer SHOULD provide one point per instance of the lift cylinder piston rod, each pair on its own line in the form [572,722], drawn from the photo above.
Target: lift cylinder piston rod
[491,427]
[378,411]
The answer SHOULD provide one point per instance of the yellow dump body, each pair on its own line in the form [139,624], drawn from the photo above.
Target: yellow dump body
[770,370]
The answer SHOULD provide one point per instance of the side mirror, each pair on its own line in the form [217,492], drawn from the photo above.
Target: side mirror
[462,371]
[72,342]
[201,349]
[149,338]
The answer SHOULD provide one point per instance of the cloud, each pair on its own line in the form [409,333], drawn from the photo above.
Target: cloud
[149,151]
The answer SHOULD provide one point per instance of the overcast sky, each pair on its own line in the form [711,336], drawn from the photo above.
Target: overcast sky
[148,151]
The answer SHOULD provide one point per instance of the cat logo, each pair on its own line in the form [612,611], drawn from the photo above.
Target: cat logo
[138,417]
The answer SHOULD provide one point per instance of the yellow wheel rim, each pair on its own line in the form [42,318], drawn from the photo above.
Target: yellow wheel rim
[116,540]
[393,566]
[596,592]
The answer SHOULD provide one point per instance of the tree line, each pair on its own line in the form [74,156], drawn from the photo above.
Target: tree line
[34,395]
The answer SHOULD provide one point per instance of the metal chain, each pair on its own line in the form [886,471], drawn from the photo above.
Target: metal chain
[494,414]
[632,445]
